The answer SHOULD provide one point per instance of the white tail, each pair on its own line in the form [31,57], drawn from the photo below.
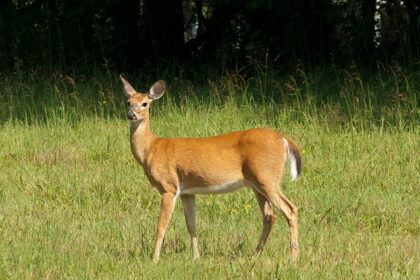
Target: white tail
[293,156]
[183,167]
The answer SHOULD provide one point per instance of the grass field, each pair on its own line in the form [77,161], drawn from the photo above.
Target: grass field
[75,204]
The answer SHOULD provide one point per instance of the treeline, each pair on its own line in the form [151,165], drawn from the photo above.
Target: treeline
[129,34]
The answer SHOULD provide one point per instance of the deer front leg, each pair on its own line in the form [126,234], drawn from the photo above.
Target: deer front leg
[188,202]
[166,208]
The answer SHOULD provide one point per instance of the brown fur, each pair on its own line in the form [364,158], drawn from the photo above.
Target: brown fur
[186,166]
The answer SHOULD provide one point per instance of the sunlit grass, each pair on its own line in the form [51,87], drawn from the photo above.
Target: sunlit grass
[75,204]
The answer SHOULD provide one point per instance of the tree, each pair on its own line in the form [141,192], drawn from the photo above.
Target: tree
[165,28]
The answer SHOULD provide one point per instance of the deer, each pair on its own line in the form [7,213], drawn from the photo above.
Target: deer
[185,167]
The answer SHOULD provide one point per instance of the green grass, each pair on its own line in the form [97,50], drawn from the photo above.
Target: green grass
[75,204]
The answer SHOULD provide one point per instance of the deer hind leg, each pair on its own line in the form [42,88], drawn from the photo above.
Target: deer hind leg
[188,202]
[289,211]
[268,219]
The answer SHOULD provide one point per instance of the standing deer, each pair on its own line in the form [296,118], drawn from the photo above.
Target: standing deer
[184,167]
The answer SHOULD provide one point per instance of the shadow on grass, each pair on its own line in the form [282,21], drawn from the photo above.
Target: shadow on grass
[338,98]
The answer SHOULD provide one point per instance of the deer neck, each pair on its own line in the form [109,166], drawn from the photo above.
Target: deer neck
[141,138]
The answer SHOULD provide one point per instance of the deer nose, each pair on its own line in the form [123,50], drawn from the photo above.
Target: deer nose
[131,116]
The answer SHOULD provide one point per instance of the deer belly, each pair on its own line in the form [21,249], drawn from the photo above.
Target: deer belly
[226,187]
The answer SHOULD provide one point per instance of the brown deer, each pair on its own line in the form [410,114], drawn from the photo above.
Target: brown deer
[184,167]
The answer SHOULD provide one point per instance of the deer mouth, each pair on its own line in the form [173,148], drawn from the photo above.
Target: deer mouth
[131,116]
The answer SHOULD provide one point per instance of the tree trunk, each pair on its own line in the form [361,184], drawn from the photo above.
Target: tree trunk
[413,11]
[165,27]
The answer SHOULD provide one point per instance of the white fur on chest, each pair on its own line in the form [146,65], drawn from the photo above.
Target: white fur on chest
[226,187]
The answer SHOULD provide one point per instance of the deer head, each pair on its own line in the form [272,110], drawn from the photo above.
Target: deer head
[139,103]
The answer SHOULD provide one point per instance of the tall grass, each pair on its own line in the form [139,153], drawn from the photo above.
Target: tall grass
[75,204]
[340,99]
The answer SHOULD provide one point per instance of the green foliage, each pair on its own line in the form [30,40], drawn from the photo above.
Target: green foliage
[126,34]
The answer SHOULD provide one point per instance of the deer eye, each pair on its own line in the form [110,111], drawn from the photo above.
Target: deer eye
[128,103]
[144,104]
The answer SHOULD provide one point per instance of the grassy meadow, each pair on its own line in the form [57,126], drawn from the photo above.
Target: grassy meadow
[74,204]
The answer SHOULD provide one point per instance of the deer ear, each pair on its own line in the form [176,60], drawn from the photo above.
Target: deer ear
[129,90]
[157,90]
